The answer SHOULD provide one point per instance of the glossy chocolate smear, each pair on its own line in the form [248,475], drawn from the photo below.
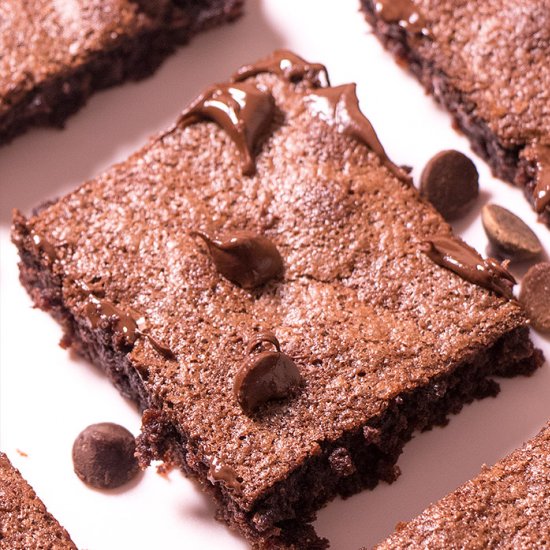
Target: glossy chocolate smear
[245,258]
[125,325]
[455,255]
[265,376]
[241,109]
[404,13]
[541,192]
[289,66]
[339,107]
[42,244]
[220,473]
[159,346]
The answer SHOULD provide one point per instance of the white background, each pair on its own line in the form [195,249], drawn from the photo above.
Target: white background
[48,396]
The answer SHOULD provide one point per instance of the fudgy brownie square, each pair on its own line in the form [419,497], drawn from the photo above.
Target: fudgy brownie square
[271,290]
[56,54]
[487,63]
[24,521]
[506,506]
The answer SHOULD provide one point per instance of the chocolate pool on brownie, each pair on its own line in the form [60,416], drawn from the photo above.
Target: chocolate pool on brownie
[506,506]
[273,292]
[24,521]
[486,61]
[54,55]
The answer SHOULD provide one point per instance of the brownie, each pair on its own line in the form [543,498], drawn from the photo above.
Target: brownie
[24,521]
[267,232]
[486,62]
[505,506]
[56,54]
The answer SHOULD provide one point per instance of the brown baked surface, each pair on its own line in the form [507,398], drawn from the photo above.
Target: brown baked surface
[486,61]
[24,521]
[386,340]
[506,506]
[55,54]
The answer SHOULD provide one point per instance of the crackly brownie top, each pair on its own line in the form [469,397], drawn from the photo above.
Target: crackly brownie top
[360,308]
[505,506]
[496,52]
[52,38]
[24,521]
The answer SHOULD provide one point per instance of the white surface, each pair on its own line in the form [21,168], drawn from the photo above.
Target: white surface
[47,396]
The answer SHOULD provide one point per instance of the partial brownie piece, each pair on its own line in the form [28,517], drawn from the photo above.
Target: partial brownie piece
[260,279]
[506,506]
[24,521]
[487,63]
[56,54]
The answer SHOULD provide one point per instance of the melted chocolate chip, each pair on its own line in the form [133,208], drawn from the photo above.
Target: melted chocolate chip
[124,324]
[510,236]
[260,339]
[220,473]
[535,296]
[246,259]
[289,66]
[241,109]
[339,107]
[450,181]
[159,347]
[404,13]
[455,255]
[541,192]
[265,376]
[103,456]
[42,244]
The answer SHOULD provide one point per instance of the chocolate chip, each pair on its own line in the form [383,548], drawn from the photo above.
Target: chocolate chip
[103,456]
[510,237]
[451,183]
[341,462]
[246,259]
[535,296]
[265,376]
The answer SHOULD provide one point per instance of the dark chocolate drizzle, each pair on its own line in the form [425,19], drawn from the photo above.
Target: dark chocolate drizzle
[339,107]
[541,193]
[265,375]
[404,13]
[98,309]
[289,66]
[241,109]
[220,473]
[245,258]
[455,255]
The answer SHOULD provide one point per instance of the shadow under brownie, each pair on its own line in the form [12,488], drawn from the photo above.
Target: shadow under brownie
[56,54]
[386,340]
[487,63]
[24,521]
[505,506]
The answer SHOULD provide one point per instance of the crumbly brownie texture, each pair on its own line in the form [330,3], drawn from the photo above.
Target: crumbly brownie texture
[505,506]
[24,521]
[56,54]
[486,61]
[386,341]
